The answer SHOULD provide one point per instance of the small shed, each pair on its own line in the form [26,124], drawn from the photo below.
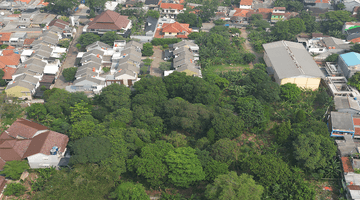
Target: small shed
[341,124]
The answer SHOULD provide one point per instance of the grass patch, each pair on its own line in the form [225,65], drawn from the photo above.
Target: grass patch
[225,68]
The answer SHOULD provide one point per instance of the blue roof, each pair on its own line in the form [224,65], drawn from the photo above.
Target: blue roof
[351,58]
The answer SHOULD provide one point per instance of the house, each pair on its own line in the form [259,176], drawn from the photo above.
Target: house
[151,4]
[278,14]
[264,12]
[246,4]
[349,25]
[349,63]
[353,35]
[347,104]
[109,21]
[321,4]
[86,83]
[338,86]
[289,62]
[25,139]
[150,30]
[341,124]
[171,10]
[97,45]
[279,10]
[63,26]
[4,38]
[351,179]
[176,29]
[350,4]
[9,58]
[22,87]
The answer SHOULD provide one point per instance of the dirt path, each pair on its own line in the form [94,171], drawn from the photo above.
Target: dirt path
[69,60]
[250,48]
[157,59]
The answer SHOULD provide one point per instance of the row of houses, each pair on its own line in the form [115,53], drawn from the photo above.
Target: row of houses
[33,63]
[122,61]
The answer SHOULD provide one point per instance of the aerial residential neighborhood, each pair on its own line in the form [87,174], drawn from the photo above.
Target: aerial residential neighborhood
[180,99]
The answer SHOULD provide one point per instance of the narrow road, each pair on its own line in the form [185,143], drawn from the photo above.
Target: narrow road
[157,59]
[249,47]
[69,60]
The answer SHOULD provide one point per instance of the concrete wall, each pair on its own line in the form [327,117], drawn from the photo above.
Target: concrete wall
[43,161]
[142,38]
[310,83]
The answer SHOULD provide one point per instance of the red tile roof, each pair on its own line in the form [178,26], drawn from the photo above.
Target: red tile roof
[5,36]
[12,59]
[181,36]
[241,12]
[357,131]
[14,15]
[246,2]
[29,41]
[322,1]
[109,20]
[2,182]
[59,23]
[9,71]
[265,15]
[44,142]
[346,164]
[356,40]
[265,10]
[354,187]
[7,52]
[176,27]
[356,121]
[157,33]
[25,1]
[25,128]
[10,47]
[172,6]
[352,23]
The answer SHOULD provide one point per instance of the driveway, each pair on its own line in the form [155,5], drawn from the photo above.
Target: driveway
[249,47]
[69,60]
[157,59]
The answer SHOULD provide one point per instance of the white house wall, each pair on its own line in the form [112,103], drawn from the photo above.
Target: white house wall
[43,161]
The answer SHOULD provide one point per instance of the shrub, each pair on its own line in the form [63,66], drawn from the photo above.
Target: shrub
[162,41]
[147,49]
[14,169]
[69,73]
[106,69]
[14,189]
[65,43]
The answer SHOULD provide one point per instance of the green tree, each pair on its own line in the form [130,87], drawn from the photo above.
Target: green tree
[296,25]
[332,58]
[165,66]
[115,96]
[61,7]
[90,150]
[226,124]
[250,111]
[290,92]
[147,50]
[109,37]
[79,111]
[309,21]
[355,48]
[312,151]
[281,30]
[95,4]
[282,132]
[176,139]
[64,43]
[69,73]
[151,163]
[231,187]
[16,189]
[223,150]
[153,13]
[78,46]
[36,111]
[340,6]
[214,168]
[355,80]
[334,20]
[131,191]
[88,38]
[13,169]
[188,18]
[2,81]
[184,167]
[83,128]
[207,10]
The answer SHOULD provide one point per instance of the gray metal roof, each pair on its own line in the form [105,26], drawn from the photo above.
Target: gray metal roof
[342,121]
[97,44]
[150,24]
[346,103]
[337,43]
[94,52]
[290,59]
[87,79]
[352,36]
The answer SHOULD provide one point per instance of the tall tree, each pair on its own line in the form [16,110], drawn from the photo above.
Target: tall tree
[131,191]
[184,167]
[109,37]
[115,96]
[232,187]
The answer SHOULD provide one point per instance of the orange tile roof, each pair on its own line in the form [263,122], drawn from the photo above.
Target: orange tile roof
[241,12]
[356,40]
[157,33]
[2,65]
[172,6]
[12,59]
[347,167]
[5,36]
[356,121]
[7,52]
[246,2]
[181,1]
[279,8]
[9,71]
[14,15]
[357,131]
[265,10]
[25,1]
[322,1]
[10,47]
[176,27]
[29,41]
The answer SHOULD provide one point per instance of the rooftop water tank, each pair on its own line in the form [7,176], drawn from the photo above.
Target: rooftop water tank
[54,150]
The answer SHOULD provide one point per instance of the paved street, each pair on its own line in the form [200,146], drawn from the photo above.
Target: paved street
[157,59]
[69,60]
